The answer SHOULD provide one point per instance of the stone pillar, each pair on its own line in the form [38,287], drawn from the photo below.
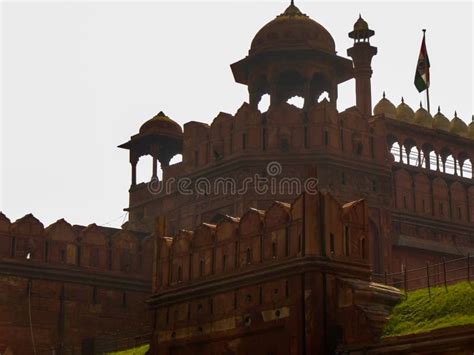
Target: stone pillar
[154,154]
[274,99]
[361,54]
[134,162]
[333,95]
[426,153]
[254,98]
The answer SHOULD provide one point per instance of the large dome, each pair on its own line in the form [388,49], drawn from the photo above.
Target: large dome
[292,30]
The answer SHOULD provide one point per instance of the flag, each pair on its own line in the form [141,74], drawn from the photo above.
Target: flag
[422,75]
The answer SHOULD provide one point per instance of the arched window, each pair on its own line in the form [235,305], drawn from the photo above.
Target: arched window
[450,165]
[264,103]
[201,267]
[284,145]
[346,241]
[94,257]
[324,95]
[362,248]
[274,250]
[125,261]
[178,158]
[224,262]
[413,157]
[248,256]
[144,168]
[395,151]
[297,101]
[331,244]
[466,170]
[434,162]
[180,274]
[62,256]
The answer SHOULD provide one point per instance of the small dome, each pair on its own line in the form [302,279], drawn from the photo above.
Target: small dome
[292,30]
[361,24]
[404,112]
[423,117]
[385,107]
[361,30]
[470,133]
[161,124]
[440,121]
[458,126]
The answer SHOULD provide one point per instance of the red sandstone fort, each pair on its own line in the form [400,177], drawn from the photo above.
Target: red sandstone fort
[279,272]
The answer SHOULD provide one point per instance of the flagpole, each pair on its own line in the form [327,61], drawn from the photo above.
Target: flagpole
[427,88]
[428,99]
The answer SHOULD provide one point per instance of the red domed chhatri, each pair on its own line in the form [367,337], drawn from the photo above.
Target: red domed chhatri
[292,55]
[160,137]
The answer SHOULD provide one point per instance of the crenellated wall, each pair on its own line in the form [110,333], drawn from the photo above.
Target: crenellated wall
[282,129]
[342,150]
[236,284]
[68,283]
[260,238]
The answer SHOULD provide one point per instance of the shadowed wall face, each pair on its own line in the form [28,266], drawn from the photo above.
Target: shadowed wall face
[69,283]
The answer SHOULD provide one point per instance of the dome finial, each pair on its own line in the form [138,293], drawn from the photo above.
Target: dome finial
[292,10]
[403,101]
[383,95]
[421,105]
[439,109]
[455,113]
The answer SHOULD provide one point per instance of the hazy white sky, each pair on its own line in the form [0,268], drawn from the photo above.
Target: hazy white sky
[78,78]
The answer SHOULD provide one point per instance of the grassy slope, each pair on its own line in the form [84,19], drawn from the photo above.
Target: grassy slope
[141,350]
[419,313]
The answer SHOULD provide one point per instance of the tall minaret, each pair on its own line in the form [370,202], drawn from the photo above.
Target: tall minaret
[361,54]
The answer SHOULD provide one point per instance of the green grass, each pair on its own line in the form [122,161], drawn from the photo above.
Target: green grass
[141,350]
[419,313]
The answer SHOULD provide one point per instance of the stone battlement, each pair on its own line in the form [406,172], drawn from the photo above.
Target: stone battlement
[92,249]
